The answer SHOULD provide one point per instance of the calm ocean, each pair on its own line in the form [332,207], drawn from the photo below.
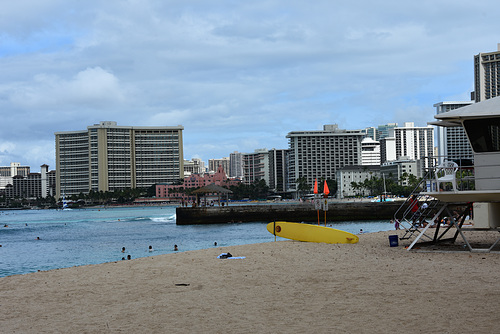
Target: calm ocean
[91,236]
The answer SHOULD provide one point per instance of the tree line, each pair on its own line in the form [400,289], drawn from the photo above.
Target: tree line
[258,190]
[376,186]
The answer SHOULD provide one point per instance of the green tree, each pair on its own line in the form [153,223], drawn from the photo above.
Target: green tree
[302,186]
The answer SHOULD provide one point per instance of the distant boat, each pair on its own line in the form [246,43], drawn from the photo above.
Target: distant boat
[65,204]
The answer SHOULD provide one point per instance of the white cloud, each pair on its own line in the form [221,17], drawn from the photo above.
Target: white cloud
[237,76]
[6,147]
[92,86]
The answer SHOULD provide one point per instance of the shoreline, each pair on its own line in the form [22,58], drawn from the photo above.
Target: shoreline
[66,242]
[284,286]
[168,253]
[178,204]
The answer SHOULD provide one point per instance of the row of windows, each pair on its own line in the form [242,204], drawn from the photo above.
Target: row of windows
[491,57]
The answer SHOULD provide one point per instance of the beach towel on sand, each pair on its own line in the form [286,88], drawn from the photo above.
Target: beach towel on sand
[229,256]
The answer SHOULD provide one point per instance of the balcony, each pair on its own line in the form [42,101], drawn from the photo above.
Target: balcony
[477,181]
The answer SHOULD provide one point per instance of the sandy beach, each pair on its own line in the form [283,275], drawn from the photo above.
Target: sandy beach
[280,287]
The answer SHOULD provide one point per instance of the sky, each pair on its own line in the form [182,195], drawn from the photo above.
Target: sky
[237,75]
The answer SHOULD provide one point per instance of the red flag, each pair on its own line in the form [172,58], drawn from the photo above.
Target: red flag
[315,186]
[326,191]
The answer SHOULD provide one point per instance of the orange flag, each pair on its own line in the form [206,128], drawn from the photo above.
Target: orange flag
[326,191]
[315,186]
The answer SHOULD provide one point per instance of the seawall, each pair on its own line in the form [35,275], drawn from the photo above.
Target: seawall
[340,211]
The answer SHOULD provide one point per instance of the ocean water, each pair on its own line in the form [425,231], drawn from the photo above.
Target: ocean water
[35,240]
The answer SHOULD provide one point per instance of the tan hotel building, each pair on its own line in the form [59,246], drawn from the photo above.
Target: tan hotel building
[109,157]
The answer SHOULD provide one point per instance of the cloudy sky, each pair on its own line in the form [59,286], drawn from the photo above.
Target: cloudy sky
[238,75]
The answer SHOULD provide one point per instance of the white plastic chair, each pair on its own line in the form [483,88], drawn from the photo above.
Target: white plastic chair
[449,168]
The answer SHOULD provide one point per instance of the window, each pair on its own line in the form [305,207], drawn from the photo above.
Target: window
[484,134]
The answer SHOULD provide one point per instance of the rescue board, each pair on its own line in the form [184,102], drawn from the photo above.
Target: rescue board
[311,233]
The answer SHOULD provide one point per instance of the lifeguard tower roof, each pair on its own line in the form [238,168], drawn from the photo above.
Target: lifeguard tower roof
[485,109]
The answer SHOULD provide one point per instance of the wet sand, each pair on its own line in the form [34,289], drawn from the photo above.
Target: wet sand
[280,287]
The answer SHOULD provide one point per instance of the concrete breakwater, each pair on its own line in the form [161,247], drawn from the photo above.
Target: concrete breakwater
[338,211]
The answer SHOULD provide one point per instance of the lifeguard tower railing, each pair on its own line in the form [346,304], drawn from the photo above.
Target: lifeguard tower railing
[430,170]
[430,220]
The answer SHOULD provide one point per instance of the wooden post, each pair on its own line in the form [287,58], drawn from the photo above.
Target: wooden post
[326,191]
[274,230]
[315,196]
[326,203]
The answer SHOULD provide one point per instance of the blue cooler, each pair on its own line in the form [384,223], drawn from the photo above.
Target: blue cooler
[393,240]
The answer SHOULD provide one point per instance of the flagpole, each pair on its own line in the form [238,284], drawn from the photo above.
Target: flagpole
[326,191]
[274,229]
[316,195]
[326,203]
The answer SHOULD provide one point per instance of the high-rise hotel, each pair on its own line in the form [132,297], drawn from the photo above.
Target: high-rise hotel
[486,75]
[452,141]
[108,157]
[415,143]
[319,154]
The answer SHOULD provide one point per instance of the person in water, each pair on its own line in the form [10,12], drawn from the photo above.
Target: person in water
[123,249]
[176,248]
[150,248]
[396,224]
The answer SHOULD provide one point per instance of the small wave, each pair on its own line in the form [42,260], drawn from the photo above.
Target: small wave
[135,219]
[164,219]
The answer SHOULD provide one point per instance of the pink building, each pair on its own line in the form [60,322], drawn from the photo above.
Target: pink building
[174,192]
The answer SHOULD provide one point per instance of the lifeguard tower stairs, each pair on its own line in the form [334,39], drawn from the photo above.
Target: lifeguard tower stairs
[428,221]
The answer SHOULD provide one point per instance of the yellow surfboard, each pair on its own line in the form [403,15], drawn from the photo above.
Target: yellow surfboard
[311,233]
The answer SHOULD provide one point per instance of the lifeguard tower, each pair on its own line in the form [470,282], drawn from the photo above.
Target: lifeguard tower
[475,188]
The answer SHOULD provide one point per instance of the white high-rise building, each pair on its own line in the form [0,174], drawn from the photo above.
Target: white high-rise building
[319,154]
[415,143]
[388,148]
[236,165]
[256,166]
[370,152]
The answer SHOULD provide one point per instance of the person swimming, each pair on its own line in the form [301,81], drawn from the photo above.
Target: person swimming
[150,248]
[176,248]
